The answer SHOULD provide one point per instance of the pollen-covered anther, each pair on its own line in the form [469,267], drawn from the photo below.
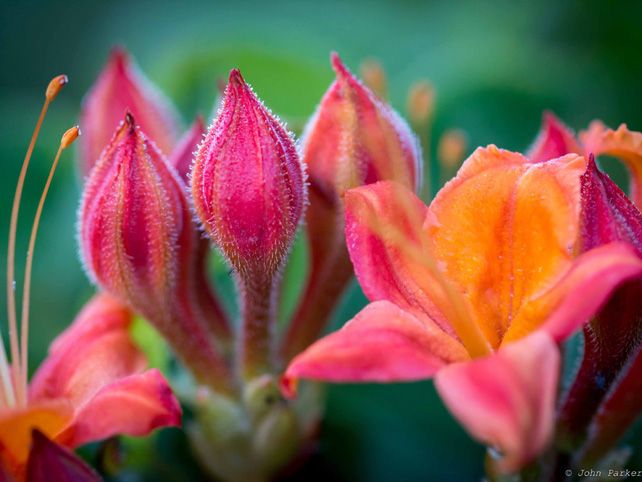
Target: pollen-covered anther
[55,85]
[69,137]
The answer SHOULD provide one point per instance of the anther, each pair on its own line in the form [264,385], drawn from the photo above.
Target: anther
[69,137]
[55,85]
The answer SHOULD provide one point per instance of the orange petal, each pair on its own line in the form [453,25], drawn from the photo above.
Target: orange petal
[504,229]
[554,140]
[621,143]
[589,281]
[506,400]
[381,344]
[134,405]
[16,425]
[386,244]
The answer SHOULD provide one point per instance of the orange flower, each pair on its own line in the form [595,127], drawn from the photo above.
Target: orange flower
[475,289]
[92,386]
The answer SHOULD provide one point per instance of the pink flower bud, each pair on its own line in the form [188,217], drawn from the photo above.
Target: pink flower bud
[120,87]
[248,183]
[138,243]
[605,397]
[248,187]
[353,139]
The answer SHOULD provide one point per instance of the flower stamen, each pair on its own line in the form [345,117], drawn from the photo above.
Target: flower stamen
[67,139]
[9,374]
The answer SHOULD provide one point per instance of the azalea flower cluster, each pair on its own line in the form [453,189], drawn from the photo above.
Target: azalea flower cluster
[477,290]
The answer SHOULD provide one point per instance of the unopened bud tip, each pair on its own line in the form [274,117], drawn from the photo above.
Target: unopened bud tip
[129,119]
[337,64]
[236,78]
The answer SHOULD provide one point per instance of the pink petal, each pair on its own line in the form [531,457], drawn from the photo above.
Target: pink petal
[134,405]
[384,227]
[94,351]
[506,400]
[96,367]
[554,140]
[579,293]
[381,344]
[182,156]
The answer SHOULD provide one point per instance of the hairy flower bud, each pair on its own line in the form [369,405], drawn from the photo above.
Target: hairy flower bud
[138,242]
[249,192]
[248,183]
[354,138]
[605,397]
[120,87]
[554,140]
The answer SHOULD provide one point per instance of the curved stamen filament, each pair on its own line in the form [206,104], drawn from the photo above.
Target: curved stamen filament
[67,139]
[8,395]
[9,376]
[11,251]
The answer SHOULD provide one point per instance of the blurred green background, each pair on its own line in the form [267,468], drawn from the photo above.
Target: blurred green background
[496,66]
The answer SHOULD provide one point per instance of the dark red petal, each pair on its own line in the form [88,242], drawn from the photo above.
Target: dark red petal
[554,140]
[613,337]
[49,462]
